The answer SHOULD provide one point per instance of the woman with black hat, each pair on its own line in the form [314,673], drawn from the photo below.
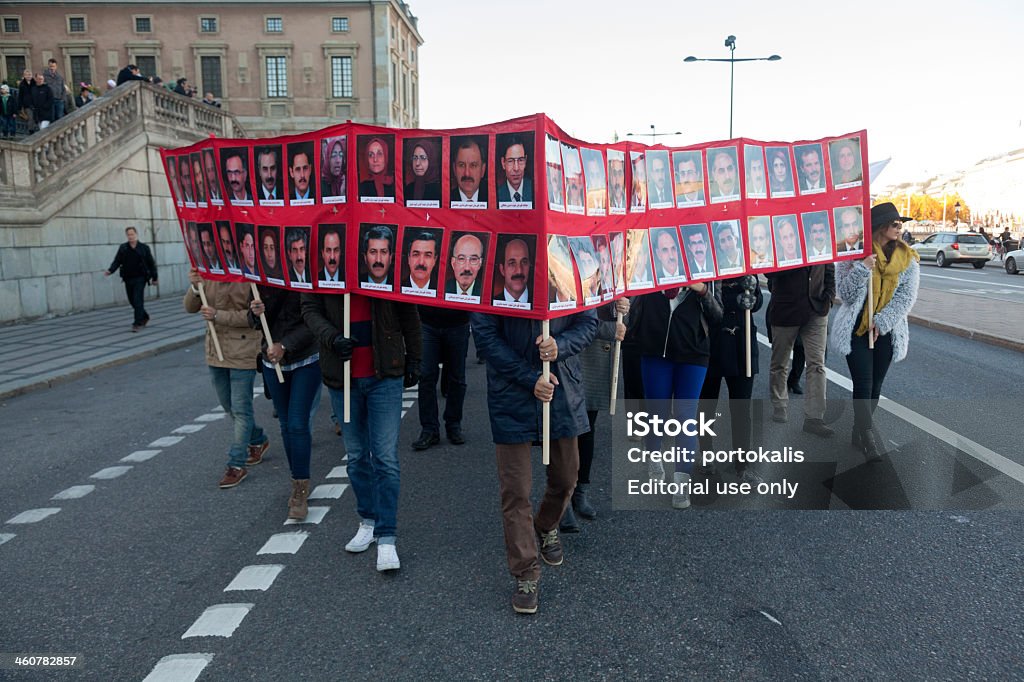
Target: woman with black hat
[894,276]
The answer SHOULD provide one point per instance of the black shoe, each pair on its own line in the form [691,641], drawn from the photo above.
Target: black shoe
[795,388]
[869,446]
[857,439]
[581,504]
[425,441]
[455,436]
[569,524]
[818,428]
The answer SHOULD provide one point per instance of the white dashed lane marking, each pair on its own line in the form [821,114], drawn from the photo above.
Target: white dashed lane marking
[166,442]
[284,543]
[74,492]
[179,668]
[255,578]
[211,417]
[189,428]
[6,537]
[315,515]
[338,472]
[219,620]
[330,491]
[110,472]
[141,455]
[34,515]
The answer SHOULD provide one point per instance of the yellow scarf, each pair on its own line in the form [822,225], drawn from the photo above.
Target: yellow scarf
[885,276]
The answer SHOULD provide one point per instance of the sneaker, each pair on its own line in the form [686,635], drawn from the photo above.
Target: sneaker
[362,540]
[524,599]
[256,453]
[387,558]
[550,547]
[779,414]
[681,500]
[748,476]
[818,428]
[426,440]
[232,477]
[655,470]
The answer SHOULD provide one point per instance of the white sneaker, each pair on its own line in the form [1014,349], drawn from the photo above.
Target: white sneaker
[387,558]
[681,500]
[655,470]
[362,539]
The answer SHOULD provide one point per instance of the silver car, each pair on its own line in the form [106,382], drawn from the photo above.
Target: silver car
[1014,261]
[946,248]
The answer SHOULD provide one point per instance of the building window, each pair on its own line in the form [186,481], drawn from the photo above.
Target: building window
[277,76]
[16,65]
[339,24]
[12,24]
[143,24]
[146,64]
[208,25]
[76,24]
[81,69]
[211,74]
[394,82]
[275,25]
[341,76]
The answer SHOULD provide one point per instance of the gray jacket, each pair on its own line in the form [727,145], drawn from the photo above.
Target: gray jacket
[852,288]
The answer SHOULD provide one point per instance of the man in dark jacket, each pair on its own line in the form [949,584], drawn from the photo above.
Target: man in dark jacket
[514,350]
[41,100]
[137,269]
[801,300]
[129,73]
[9,108]
[384,349]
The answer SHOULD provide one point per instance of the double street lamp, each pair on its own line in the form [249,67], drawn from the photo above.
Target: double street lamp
[730,42]
[653,134]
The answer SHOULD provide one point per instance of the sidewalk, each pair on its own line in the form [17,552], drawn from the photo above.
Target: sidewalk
[41,353]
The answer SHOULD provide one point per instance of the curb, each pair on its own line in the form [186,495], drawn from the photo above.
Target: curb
[972,334]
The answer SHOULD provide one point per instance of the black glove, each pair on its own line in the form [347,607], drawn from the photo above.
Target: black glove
[343,346]
[412,373]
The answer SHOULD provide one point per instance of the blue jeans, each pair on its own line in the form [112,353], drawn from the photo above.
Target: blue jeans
[371,442]
[234,390]
[446,345]
[293,401]
[680,383]
[8,125]
[58,108]
[135,289]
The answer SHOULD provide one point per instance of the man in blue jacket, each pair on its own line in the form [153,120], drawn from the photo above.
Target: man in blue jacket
[514,350]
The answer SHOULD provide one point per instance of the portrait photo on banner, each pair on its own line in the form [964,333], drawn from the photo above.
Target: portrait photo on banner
[197,177]
[668,266]
[817,236]
[296,248]
[725,180]
[512,279]
[849,228]
[787,241]
[301,183]
[376,164]
[270,254]
[269,175]
[575,194]
[421,247]
[171,169]
[235,165]
[464,280]
[659,186]
[214,190]
[780,173]
[228,249]
[553,168]
[604,263]
[810,169]
[514,171]
[245,236]
[561,279]
[334,169]
[617,246]
[590,272]
[421,169]
[195,251]
[638,260]
[468,171]
[377,256]
[728,247]
[616,182]
[330,272]
[759,234]
[697,247]
[844,157]
[756,181]
[185,179]
[638,183]
[597,187]
[689,177]
[208,243]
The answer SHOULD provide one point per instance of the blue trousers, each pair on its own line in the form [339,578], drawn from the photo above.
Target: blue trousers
[671,387]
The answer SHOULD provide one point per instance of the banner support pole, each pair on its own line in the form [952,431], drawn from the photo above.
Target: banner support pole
[746,334]
[346,329]
[266,332]
[871,310]
[209,325]
[615,366]
[546,407]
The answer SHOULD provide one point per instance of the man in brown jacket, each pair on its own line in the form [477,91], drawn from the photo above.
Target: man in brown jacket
[233,376]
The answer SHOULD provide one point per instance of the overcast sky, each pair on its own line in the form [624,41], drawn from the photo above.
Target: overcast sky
[936,84]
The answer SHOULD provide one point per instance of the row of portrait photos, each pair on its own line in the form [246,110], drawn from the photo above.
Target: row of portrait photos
[580,180]
[582,270]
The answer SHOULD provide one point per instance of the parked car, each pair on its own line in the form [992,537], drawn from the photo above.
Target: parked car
[1014,261]
[946,248]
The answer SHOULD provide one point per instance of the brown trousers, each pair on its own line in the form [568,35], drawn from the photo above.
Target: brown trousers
[515,479]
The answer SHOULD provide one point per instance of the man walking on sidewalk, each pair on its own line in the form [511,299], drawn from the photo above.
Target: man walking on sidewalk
[137,270]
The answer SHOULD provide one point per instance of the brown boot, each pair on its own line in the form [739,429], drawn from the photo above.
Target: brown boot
[297,506]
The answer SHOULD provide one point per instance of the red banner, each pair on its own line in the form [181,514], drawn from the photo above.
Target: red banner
[515,217]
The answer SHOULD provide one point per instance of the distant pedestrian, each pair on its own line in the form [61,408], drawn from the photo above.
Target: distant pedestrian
[58,88]
[41,99]
[183,87]
[9,109]
[129,73]
[137,270]
[85,96]
[208,98]
[234,376]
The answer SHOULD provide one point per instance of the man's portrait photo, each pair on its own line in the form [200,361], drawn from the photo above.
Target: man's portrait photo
[301,183]
[561,280]
[465,262]
[809,168]
[197,177]
[668,265]
[728,246]
[377,256]
[185,178]
[234,163]
[208,242]
[514,172]
[597,187]
[513,274]
[589,268]
[817,236]
[269,175]
[227,246]
[659,183]
[376,169]
[638,260]
[468,171]
[421,168]
[780,172]
[246,238]
[553,170]
[689,176]
[638,184]
[215,193]
[195,250]
[421,250]
[604,263]
[270,253]
[787,242]
[296,248]
[616,182]
[333,170]
[757,181]
[617,246]
[849,224]
[331,271]
[725,180]
[575,194]
[697,244]
[844,155]
[759,236]
[172,178]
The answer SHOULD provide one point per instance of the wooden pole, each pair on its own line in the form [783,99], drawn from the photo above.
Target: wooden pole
[209,325]
[346,329]
[546,407]
[746,334]
[615,366]
[266,332]
[871,309]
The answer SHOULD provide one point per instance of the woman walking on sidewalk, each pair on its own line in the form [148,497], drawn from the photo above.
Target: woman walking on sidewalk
[895,274]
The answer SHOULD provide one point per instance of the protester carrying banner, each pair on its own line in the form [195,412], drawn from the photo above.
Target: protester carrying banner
[877,294]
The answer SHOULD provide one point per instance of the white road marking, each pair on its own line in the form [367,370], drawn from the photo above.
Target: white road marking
[314,515]
[34,515]
[189,428]
[74,492]
[970,281]
[219,408]
[407,403]
[6,537]
[330,491]
[166,442]
[338,472]
[110,472]
[179,668]
[255,577]
[284,543]
[960,519]
[344,458]
[141,455]
[771,618]
[219,620]
[211,417]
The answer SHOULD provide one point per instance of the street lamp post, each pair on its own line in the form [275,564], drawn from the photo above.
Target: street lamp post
[653,134]
[730,42]
[956,211]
